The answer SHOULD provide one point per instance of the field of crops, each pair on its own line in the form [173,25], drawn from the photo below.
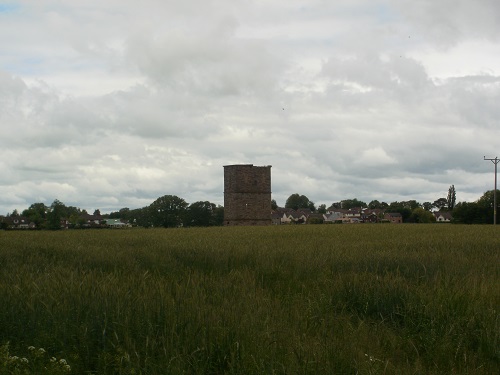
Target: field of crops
[324,299]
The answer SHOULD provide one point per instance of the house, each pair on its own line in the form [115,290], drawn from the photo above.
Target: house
[346,216]
[116,223]
[91,220]
[443,216]
[393,217]
[285,216]
[372,215]
[297,217]
[65,224]
[290,216]
[18,222]
[333,217]
[305,211]
[276,218]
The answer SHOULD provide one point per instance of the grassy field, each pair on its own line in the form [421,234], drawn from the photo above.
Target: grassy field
[324,299]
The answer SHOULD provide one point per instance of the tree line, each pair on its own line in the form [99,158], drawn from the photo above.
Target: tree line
[478,212]
[172,211]
[166,211]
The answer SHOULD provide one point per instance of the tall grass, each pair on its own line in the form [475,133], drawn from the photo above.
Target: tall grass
[359,299]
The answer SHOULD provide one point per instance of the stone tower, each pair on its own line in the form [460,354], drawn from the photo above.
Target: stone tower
[247,195]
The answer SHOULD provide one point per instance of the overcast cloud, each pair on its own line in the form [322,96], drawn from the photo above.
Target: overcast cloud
[112,104]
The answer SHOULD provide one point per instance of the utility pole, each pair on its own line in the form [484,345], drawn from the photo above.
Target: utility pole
[494,161]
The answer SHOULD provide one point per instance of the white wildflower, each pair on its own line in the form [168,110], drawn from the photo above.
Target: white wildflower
[31,348]
[24,360]
[62,361]
[53,359]
[41,350]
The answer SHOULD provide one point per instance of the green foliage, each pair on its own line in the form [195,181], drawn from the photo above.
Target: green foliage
[36,213]
[480,212]
[427,206]
[470,213]
[140,217]
[404,208]
[55,213]
[201,214]
[352,203]
[3,224]
[451,198]
[274,205]
[315,220]
[167,211]
[419,215]
[440,204]
[219,215]
[487,199]
[14,213]
[319,299]
[376,204]
[296,201]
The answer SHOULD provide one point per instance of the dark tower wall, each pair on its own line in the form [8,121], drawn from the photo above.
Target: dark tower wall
[247,195]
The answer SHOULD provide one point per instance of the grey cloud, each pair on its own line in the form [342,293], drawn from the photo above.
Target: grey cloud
[334,96]
[447,22]
[476,100]
[214,63]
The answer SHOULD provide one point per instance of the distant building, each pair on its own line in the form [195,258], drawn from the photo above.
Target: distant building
[116,223]
[394,217]
[443,216]
[247,195]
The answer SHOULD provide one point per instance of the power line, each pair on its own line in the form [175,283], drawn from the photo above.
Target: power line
[494,161]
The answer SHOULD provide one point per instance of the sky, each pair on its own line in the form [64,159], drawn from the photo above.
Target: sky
[112,104]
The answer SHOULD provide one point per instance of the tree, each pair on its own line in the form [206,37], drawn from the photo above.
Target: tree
[411,204]
[479,212]
[72,211]
[470,213]
[167,211]
[140,217]
[123,213]
[440,204]
[376,204]
[487,199]
[427,206]
[36,213]
[219,215]
[486,202]
[274,205]
[402,207]
[55,213]
[296,201]
[115,215]
[75,220]
[336,205]
[420,215]
[352,203]
[322,209]
[452,197]
[201,214]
